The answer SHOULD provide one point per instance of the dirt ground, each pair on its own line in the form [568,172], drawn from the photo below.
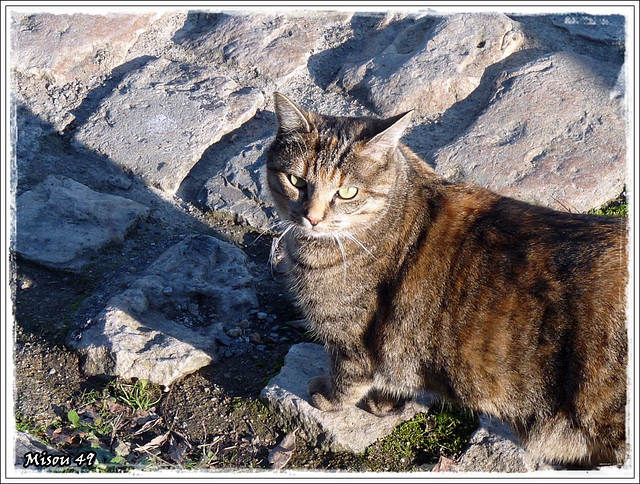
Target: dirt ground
[215,412]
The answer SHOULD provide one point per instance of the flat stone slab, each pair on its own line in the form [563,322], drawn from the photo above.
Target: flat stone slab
[162,117]
[350,430]
[268,45]
[62,223]
[494,448]
[433,63]
[167,324]
[553,135]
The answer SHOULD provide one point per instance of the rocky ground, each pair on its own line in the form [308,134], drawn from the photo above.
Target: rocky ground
[143,226]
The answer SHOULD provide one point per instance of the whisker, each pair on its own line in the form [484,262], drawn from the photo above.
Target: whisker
[272,228]
[353,238]
[275,242]
[344,258]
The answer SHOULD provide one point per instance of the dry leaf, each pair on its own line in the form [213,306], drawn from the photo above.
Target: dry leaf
[281,453]
[153,444]
[178,447]
[444,465]
[148,424]
[65,435]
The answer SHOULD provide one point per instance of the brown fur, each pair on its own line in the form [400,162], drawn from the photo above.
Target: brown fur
[420,284]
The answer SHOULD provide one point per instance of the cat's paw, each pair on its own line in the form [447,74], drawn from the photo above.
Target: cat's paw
[322,394]
[382,405]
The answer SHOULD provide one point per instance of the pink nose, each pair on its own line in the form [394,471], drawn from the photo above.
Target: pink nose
[313,218]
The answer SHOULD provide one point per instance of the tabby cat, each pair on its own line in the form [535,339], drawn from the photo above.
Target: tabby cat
[415,283]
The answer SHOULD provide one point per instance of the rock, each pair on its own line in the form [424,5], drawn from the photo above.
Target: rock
[552,136]
[67,55]
[494,448]
[264,45]
[143,333]
[609,28]
[24,444]
[255,338]
[350,430]
[240,188]
[448,55]
[61,223]
[162,117]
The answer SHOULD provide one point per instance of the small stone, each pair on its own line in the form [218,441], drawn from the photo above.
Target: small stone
[193,308]
[167,291]
[255,337]
[234,332]
[228,354]
[262,316]
[244,323]
[52,371]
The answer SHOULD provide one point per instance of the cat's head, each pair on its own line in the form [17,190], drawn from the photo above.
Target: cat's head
[330,174]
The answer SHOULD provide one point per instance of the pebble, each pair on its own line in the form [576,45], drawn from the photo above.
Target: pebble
[262,316]
[167,291]
[244,323]
[234,332]
[255,337]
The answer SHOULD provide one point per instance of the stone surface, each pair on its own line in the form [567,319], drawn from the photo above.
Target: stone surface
[167,323]
[66,55]
[494,448]
[608,29]
[265,45]
[161,118]
[351,430]
[25,443]
[552,135]
[239,187]
[432,63]
[61,223]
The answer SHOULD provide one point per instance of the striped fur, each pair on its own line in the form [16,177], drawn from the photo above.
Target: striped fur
[420,284]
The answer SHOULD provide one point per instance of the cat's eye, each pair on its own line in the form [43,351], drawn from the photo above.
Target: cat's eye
[297,182]
[347,193]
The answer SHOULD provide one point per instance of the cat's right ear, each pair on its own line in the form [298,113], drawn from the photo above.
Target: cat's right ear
[291,119]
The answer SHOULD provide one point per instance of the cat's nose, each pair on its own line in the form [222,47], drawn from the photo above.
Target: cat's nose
[313,218]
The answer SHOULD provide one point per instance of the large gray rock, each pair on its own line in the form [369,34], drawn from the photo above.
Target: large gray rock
[61,223]
[163,116]
[431,64]
[605,28]
[553,135]
[494,448]
[351,430]
[263,45]
[167,323]
[57,59]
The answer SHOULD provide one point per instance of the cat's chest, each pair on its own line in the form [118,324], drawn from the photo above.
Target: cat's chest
[330,284]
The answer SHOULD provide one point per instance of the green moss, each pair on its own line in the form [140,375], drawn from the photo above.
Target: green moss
[615,208]
[422,440]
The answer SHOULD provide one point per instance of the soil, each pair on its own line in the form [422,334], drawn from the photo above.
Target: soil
[216,410]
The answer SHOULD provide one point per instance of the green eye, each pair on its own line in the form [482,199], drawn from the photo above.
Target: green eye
[297,182]
[347,192]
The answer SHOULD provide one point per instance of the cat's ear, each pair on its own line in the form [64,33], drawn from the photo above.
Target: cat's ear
[387,140]
[291,118]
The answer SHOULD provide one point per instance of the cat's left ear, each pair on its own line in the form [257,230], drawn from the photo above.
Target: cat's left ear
[387,140]
[291,118]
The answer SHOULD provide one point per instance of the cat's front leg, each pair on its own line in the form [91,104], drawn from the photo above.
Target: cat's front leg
[345,386]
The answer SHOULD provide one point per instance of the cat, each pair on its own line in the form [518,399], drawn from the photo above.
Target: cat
[414,283]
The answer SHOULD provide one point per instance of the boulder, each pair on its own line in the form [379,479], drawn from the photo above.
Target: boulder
[168,322]
[350,430]
[57,59]
[432,63]
[62,224]
[494,448]
[269,46]
[552,135]
[161,118]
